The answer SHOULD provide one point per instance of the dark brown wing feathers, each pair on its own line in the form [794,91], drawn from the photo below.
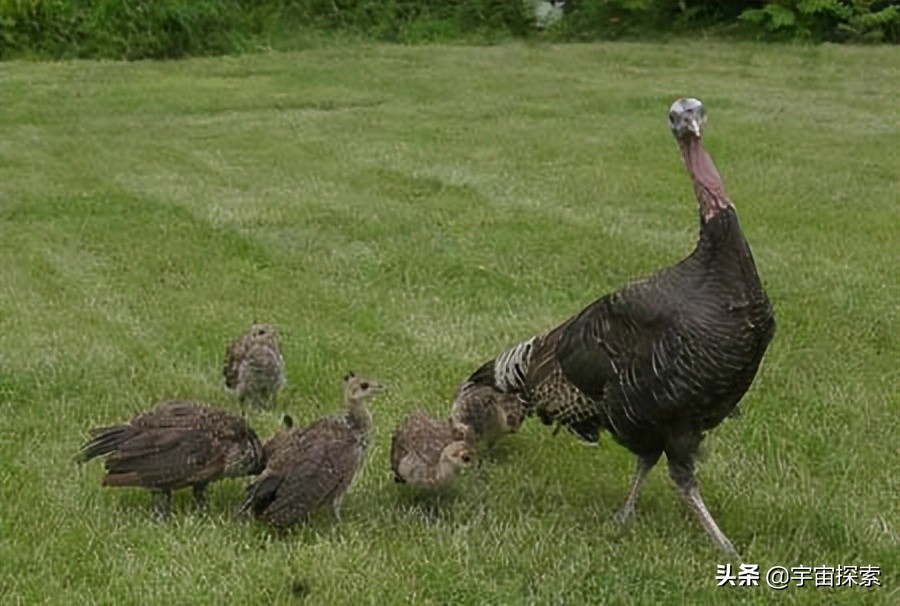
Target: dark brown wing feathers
[307,468]
[177,444]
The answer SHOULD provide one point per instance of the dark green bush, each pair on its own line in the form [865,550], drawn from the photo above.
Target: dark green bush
[611,19]
[136,29]
[827,20]
[803,20]
[399,20]
[124,29]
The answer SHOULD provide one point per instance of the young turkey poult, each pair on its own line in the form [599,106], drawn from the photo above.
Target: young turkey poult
[312,467]
[483,415]
[427,452]
[175,445]
[253,366]
[280,438]
[664,359]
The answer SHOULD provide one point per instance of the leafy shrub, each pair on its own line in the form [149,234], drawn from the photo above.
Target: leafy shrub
[610,19]
[399,20]
[808,20]
[123,29]
[827,20]
[136,29]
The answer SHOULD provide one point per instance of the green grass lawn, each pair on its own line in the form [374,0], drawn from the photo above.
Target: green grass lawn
[408,213]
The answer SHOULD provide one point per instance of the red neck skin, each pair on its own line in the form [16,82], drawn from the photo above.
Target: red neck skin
[707,183]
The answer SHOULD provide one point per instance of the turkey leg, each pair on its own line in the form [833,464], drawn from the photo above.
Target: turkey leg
[644,464]
[685,481]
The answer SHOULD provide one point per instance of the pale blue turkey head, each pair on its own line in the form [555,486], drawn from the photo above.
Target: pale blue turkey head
[687,115]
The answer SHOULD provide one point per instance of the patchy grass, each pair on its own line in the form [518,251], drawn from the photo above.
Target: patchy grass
[408,213]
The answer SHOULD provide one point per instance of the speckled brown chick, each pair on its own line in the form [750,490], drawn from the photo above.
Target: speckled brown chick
[175,445]
[314,466]
[253,366]
[425,452]
[483,414]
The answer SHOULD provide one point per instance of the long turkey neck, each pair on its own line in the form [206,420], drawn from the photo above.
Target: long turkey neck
[359,413]
[707,183]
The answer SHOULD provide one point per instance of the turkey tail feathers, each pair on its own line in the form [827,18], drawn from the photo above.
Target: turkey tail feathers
[104,441]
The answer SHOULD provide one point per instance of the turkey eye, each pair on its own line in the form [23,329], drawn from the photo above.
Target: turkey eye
[364,386]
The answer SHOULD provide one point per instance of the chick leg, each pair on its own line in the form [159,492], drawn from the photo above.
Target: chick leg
[162,504]
[199,491]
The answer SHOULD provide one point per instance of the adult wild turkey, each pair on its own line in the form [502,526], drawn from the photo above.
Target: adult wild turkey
[175,445]
[314,466]
[254,367]
[427,452]
[664,359]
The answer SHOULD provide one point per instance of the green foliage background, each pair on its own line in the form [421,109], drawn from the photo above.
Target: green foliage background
[139,29]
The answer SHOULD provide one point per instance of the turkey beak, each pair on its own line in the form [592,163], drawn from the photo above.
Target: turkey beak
[694,126]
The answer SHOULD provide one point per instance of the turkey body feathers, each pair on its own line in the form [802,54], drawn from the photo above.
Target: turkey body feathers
[175,445]
[310,467]
[254,367]
[427,452]
[482,414]
[260,374]
[422,439]
[680,347]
